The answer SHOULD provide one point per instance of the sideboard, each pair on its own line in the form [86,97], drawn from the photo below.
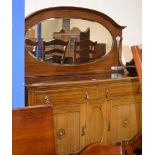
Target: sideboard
[105,109]
[92,103]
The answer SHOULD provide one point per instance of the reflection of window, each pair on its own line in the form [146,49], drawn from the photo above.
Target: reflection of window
[66,24]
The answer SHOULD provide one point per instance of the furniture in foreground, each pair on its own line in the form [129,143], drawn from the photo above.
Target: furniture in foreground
[137,55]
[136,142]
[103,110]
[32,131]
[133,146]
[100,149]
[130,147]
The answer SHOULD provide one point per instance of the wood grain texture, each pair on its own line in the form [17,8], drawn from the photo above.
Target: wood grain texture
[122,119]
[96,121]
[137,55]
[33,131]
[67,118]
[91,104]
[84,109]
[100,149]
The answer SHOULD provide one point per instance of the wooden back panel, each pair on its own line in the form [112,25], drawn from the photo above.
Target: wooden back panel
[33,66]
[33,131]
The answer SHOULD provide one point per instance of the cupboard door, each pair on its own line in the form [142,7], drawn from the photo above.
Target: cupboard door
[122,123]
[67,124]
[95,121]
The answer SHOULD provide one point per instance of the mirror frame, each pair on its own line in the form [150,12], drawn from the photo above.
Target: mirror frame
[103,64]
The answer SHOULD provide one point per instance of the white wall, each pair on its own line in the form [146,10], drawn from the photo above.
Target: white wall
[124,12]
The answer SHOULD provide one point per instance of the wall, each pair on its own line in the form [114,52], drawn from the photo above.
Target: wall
[124,12]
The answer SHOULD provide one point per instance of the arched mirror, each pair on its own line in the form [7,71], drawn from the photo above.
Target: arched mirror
[69,41]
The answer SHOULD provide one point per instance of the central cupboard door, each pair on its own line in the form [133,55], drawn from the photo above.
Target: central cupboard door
[122,123]
[95,121]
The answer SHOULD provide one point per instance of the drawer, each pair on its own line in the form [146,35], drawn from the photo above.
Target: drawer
[60,96]
[119,89]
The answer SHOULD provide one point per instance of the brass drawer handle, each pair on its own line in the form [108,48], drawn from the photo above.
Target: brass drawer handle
[46,99]
[61,133]
[106,93]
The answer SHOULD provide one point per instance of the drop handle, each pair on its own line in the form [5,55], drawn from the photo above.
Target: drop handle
[125,123]
[109,126]
[83,131]
[106,93]
[46,99]
[138,90]
[87,95]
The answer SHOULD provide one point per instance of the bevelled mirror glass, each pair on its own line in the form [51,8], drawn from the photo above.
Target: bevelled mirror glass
[68,41]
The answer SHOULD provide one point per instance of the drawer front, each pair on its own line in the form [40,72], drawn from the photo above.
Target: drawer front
[119,89]
[60,96]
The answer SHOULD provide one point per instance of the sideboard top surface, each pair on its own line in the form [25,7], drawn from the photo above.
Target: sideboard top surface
[69,79]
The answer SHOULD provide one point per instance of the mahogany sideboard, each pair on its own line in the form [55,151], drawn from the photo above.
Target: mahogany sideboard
[105,109]
[91,103]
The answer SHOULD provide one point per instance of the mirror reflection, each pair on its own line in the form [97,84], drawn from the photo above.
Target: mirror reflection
[68,41]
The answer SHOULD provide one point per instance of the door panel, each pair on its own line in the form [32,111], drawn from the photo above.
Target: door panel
[122,119]
[67,129]
[95,121]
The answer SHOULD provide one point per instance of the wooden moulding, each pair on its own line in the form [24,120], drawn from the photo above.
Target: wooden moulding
[34,66]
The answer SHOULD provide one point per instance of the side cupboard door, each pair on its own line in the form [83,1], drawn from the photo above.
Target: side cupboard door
[68,123]
[122,119]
